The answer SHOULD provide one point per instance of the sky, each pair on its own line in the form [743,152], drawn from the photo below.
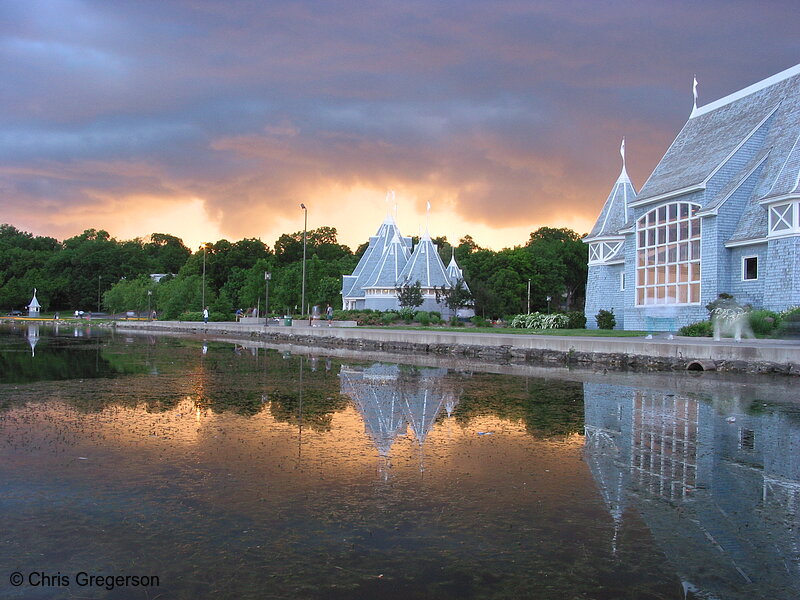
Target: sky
[210,119]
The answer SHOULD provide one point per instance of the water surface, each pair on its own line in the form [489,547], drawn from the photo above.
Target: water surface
[240,471]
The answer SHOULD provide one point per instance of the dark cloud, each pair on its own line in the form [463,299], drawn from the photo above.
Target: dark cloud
[514,109]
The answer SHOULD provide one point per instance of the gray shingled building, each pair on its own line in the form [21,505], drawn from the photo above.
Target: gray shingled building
[720,213]
[389,263]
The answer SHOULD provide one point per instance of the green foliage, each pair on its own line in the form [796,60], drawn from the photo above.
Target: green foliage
[479,321]
[406,314]
[389,317]
[605,319]
[410,296]
[539,320]
[423,318]
[131,295]
[576,320]
[699,329]
[435,317]
[764,322]
[789,327]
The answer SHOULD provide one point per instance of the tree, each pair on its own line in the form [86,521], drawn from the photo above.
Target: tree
[454,297]
[410,295]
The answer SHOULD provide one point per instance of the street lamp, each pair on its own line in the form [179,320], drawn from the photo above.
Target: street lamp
[305,228]
[149,312]
[529,296]
[267,277]
[98,293]
[203,293]
[548,304]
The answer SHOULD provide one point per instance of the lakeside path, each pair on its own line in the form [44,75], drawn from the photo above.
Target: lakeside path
[659,354]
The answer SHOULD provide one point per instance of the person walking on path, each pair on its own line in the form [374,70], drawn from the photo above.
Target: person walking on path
[329,315]
[205,315]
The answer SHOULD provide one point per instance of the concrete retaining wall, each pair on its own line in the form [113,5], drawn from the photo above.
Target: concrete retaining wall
[753,356]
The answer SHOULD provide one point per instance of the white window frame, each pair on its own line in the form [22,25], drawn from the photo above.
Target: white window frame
[600,252]
[622,281]
[744,267]
[784,218]
[668,255]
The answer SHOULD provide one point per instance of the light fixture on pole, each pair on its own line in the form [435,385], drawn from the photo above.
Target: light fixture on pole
[267,277]
[548,304]
[98,293]
[203,292]
[149,312]
[529,296]
[305,228]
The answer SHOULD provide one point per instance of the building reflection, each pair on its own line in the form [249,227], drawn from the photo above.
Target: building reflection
[717,485]
[393,401]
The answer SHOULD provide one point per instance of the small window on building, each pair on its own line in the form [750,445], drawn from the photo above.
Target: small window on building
[749,268]
[622,282]
[747,440]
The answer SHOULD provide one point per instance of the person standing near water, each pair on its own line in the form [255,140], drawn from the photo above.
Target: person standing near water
[205,315]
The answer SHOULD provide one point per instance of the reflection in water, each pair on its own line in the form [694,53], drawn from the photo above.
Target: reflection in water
[391,400]
[182,457]
[717,485]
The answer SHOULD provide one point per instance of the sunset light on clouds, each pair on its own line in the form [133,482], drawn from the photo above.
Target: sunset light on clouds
[208,119]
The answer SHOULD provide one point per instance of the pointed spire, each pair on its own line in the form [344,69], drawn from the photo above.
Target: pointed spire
[694,93]
[623,176]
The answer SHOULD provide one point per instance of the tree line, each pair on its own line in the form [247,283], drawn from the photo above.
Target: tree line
[95,272]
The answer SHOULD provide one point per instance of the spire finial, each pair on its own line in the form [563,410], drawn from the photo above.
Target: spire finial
[622,152]
[389,200]
[694,93]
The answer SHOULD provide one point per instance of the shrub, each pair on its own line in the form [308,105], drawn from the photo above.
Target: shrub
[406,314]
[699,329]
[764,322]
[455,322]
[789,327]
[423,318]
[388,318]
[479,321]
[605,319]
[576,320]
[539,320]
[435,317]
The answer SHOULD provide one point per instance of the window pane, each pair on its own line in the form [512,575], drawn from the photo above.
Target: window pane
[751,268]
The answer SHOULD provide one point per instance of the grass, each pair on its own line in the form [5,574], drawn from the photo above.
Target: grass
[518,331]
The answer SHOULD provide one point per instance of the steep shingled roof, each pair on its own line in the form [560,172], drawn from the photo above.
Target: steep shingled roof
[715,131]
[387,272]
[352,285]
[614,215]
[425,266]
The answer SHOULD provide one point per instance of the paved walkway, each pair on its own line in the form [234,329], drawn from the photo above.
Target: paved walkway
[786,352]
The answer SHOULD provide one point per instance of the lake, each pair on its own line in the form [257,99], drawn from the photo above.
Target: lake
[144,467]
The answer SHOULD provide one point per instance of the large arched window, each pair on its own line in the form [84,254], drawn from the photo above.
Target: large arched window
[668,255]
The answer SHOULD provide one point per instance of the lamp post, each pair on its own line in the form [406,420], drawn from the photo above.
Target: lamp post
[529,296]
[267,277]
[305,228]
[548,304]
[203,292]
[149,312]
[98,293]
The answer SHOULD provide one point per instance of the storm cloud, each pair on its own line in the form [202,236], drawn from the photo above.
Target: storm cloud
[504,115]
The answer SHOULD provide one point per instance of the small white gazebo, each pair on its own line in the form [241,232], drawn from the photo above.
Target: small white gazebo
[34,306]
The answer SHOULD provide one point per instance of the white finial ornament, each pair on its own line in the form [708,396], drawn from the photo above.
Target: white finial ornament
[622,152]
[694,93]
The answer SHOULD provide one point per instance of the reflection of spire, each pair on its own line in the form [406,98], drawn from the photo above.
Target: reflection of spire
[33,338]
[390,400]
[374,393]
